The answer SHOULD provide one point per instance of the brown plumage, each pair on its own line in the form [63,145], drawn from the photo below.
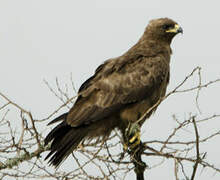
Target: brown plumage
[119,92]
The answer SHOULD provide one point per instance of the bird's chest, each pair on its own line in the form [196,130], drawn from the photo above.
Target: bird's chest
[133,112]
[159,91]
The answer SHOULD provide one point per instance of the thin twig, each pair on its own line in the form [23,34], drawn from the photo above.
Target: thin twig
[197,150]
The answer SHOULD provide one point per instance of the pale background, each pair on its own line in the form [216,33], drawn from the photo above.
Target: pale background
[45,39]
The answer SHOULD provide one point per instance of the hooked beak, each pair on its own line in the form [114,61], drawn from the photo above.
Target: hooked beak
[176,29]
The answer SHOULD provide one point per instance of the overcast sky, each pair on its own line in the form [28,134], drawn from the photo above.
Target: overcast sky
[45,39]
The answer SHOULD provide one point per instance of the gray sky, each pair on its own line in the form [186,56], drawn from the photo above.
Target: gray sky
[45,39]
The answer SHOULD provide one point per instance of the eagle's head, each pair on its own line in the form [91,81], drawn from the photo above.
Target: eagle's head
[163,29]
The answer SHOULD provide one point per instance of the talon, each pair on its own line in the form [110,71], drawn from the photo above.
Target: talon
[132,136]
[135,140]
[125,147]
[136,137]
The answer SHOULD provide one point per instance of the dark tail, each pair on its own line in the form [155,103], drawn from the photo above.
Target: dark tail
[64,140]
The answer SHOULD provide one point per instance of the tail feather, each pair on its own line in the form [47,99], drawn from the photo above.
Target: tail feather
[64,140]
[57,133]
[59,118]
[67,145]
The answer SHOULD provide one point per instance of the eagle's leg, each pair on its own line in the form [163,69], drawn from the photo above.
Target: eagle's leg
[135,148]
[132,136]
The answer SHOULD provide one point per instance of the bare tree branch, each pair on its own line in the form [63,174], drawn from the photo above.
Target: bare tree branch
[197,150]
[22,143]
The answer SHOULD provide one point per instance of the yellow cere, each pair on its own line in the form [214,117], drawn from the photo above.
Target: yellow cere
[175,29]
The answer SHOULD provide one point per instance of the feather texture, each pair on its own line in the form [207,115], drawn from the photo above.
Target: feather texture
[119,92]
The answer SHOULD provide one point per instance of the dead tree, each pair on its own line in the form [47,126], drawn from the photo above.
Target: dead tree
[22,149]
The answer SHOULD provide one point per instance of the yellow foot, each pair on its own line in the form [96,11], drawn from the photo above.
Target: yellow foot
[125,147]
[135,140]
[132,136]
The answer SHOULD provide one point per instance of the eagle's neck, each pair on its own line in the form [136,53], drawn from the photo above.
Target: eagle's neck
[150,48]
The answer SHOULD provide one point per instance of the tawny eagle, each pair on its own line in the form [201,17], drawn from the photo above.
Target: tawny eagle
[118,94]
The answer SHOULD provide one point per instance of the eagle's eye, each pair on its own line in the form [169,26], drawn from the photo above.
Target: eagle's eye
[167,26]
